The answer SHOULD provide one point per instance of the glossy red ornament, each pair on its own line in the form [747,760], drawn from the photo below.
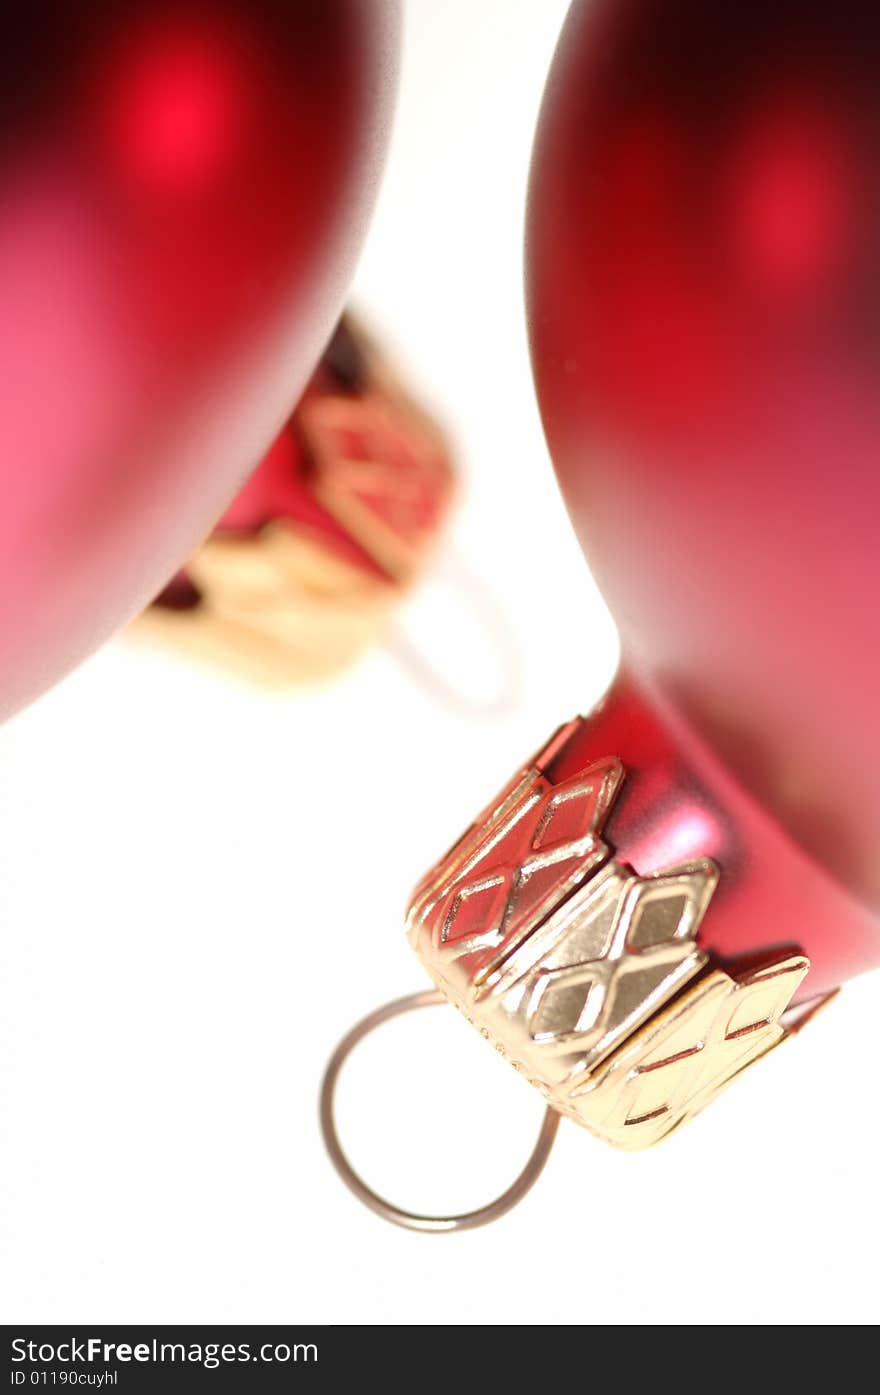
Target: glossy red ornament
[184,190]
[703,268]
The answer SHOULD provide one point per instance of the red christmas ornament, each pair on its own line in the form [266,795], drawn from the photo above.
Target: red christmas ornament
[704,303]
[184,189]
[669,887]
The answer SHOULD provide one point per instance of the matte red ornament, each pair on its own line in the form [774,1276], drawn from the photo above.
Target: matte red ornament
[183,190]
[703,269]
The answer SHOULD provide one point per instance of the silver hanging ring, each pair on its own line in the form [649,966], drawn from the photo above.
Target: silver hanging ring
[397,1215]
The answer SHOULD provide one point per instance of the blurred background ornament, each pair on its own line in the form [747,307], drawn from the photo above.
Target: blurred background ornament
[310,561]
[185,187]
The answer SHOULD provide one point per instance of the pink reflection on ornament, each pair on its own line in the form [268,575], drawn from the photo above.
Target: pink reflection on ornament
[58,314]
[688,834]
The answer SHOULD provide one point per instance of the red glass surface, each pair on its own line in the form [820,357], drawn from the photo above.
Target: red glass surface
[183,190]
[680,800]
[703,268]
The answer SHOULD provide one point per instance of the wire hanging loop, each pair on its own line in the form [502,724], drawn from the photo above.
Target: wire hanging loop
[397,1215]
[476,598]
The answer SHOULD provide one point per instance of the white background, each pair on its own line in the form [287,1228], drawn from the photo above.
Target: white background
[202,886]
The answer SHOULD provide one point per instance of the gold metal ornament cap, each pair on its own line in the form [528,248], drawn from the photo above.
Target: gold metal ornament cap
[596,923]
[586,976]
